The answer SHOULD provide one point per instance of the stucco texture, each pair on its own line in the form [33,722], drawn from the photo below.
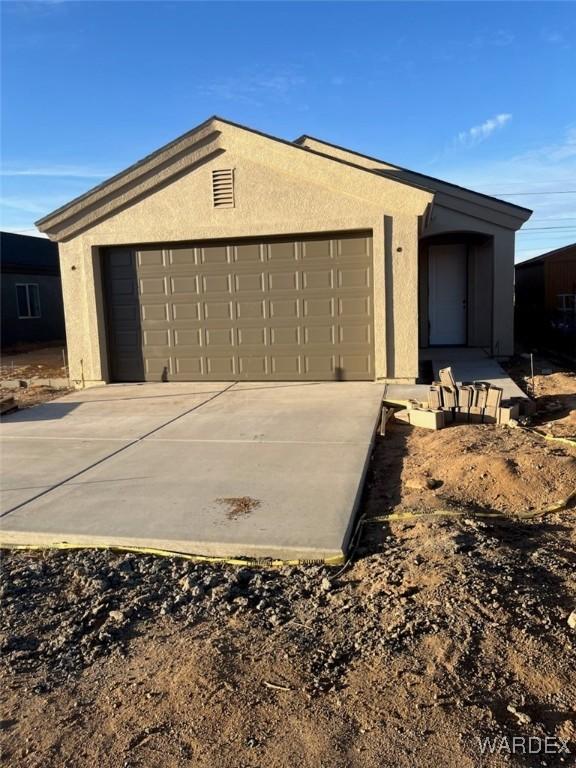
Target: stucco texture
[280,189]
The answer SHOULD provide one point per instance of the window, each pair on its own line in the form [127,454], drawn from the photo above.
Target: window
[28,299]
[567,302]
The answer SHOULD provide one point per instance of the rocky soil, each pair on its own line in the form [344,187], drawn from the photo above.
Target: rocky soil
[554,390]
[441,633]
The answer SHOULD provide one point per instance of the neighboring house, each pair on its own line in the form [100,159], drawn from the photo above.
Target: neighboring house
[32,310]
[230,254]
[546,299]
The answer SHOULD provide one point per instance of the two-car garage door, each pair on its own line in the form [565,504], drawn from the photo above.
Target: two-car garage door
[280,309]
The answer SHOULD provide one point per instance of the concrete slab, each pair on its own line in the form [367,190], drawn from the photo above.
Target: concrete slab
[417,392]
[302,413]
[299,450]
[32,466]
[116,411]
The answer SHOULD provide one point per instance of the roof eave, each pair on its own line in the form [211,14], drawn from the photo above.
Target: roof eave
[299,141]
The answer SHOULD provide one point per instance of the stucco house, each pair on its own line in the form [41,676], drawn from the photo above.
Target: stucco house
[31,293]
[230,254]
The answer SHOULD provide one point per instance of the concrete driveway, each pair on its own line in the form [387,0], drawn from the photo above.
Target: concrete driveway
[157,465]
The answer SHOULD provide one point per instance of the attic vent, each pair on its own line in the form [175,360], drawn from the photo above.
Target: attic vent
[223,188]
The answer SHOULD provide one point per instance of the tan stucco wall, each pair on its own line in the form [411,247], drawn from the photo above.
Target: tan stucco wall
[279,190]
[460,210]
[283,190]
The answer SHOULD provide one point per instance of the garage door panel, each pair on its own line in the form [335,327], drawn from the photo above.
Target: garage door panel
[353,278]
[214,255]
[182,257]
[153,286]
[253,365]
[156,338]
[155,312]
[320,334]
[284,308]
[320,365]
[286,335]
[217,310]
[356,365]
[219,337]
[354,246]
[281,252]
[183,312]
[251,337]
[354,334]
[286,366]
[280,309]
[317,249]
[158,366]
[318,279]
[150,258]
[252,281]
[187,337]
[184,284]
[220,365]
[216,284]
[283,281]
[354,306]
[318,307]
[248,253]
[250,309]
[189,365]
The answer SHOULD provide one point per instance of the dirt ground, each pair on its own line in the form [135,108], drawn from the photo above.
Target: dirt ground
[29,363]
[33,362]
[25,397]
[554,391]
[444,631]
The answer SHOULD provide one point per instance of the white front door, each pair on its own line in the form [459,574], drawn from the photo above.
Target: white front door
[447,278]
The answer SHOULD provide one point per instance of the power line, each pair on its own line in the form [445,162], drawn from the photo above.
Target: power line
[540,229]
[521,194]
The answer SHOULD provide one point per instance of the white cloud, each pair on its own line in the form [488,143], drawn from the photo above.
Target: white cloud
[549,170]
[22,204]
[479,133]
[57,171]
[253,88]
[554,37]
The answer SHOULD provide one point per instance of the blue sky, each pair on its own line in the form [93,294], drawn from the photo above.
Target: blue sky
[482,94]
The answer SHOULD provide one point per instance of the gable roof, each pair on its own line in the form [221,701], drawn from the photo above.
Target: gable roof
[28,253]
[568,250]
[434,183]
[178,156]
[204,143]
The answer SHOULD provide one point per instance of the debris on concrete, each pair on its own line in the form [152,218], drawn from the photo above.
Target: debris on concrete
[239,506]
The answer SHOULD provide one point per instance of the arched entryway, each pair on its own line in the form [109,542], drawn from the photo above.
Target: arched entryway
[455,290]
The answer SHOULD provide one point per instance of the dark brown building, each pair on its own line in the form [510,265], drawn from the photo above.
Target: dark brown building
[545,305]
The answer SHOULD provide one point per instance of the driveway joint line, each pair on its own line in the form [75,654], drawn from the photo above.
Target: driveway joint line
[114,453]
